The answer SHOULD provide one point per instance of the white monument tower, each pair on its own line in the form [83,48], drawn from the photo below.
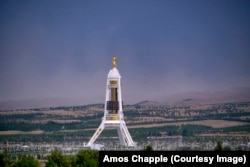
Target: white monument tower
[113,113]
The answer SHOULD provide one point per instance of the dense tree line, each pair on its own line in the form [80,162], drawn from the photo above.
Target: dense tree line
[83,158]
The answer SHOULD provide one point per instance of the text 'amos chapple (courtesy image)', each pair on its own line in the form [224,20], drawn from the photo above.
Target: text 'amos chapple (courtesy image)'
[173,158]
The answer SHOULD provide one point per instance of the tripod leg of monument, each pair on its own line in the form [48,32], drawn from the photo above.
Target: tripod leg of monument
[127,139]
[121,136]
[97,133]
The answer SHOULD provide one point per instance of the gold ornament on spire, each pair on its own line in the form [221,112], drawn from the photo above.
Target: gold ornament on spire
[114,62]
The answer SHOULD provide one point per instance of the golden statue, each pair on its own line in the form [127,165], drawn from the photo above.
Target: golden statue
[115,62]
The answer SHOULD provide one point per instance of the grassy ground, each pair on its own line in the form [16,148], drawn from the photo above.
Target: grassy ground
[210,123]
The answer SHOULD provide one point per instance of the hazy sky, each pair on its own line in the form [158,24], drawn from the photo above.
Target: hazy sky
[64,48]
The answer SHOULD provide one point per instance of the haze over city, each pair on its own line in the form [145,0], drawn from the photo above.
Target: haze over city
[64,49]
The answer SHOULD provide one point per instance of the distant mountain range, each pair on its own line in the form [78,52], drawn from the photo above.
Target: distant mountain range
[147,102]
[238,94]
[39,103]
